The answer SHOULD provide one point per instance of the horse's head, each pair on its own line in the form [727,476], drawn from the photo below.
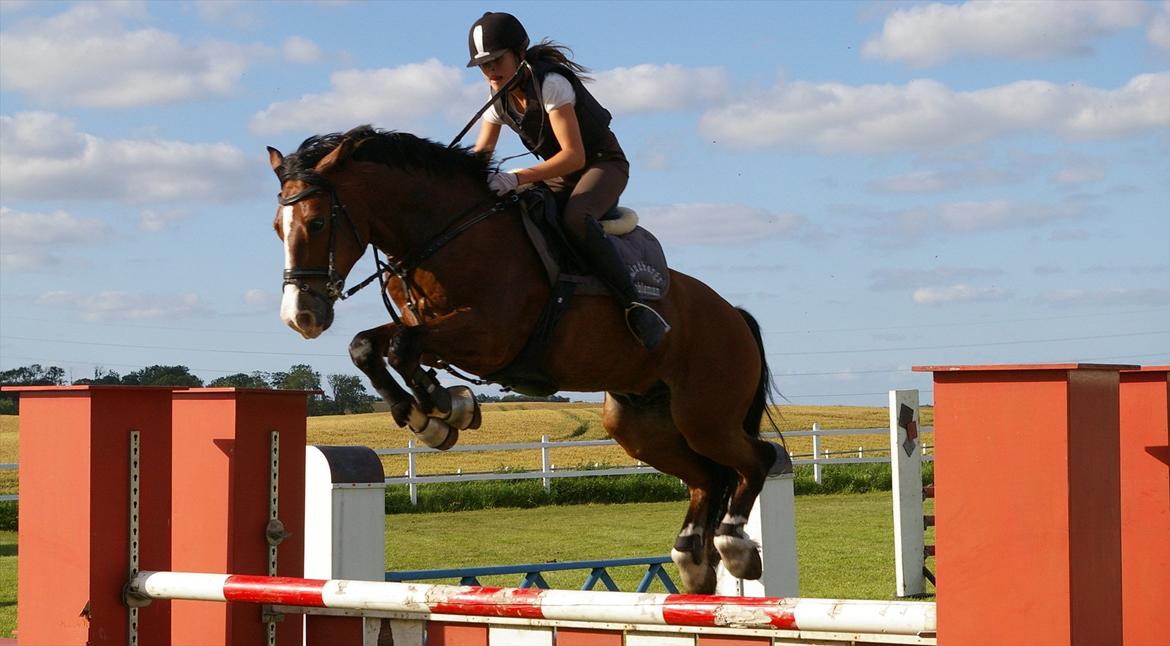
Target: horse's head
[321,239]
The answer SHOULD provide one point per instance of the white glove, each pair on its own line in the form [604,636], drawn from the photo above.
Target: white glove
[503,183]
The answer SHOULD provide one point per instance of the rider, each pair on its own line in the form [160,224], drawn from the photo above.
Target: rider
[558,120]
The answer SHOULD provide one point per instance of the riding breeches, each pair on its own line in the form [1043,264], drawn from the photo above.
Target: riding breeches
[591,193]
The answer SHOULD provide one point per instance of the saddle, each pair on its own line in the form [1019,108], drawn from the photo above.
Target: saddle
[569,275]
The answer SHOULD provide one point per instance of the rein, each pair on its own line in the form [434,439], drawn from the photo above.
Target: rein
[401,268]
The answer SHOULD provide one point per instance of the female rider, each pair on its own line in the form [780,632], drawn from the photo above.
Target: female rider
[559,121]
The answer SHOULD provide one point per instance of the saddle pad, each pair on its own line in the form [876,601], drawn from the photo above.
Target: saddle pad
[639,250]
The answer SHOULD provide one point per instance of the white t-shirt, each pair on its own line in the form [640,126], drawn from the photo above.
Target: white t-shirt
[556,92]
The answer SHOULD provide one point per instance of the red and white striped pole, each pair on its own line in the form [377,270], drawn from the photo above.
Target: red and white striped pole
[827,615]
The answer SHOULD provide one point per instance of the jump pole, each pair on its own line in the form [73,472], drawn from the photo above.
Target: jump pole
[906,618]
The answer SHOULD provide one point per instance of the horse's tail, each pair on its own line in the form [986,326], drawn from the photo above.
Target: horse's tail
[763,397]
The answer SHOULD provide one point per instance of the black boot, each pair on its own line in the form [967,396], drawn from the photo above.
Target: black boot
[645,324]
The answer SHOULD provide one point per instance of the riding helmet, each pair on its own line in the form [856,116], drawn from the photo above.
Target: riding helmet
[492,35]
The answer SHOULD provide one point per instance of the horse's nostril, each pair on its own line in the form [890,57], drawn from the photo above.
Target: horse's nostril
[306,320]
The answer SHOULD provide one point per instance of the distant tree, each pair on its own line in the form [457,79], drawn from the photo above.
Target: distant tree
[162,376]
[303,377]
[32,375]
[484,399]
[241,380]
[100,376]
[349,394]
[530,398]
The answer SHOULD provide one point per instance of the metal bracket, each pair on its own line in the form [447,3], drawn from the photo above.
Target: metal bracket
[274,532]
[132,602]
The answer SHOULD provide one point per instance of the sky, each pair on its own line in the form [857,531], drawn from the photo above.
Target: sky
[882,184]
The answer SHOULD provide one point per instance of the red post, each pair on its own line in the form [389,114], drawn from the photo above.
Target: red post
[1145,506]
[74,511]
[221,485]
[1028,507]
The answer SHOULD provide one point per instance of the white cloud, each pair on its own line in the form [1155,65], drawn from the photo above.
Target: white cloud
[67,59]
[930,34]
[387,97]
[925,114]
[899,279]
[29,241]
[154,221]
[658,88]
[720,224]
[19,229]
[983,216]
[1106,296]
[261,297]
[301,50]
[1158,33]
[958,294]
[938,181]
[1082,171]
[43,156]
[106,306]
[233,13]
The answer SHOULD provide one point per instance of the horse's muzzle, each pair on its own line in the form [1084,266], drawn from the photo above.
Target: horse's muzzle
[305,312]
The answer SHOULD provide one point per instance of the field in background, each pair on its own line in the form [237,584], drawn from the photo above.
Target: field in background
[526,422]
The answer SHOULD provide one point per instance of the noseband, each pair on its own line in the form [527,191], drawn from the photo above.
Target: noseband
[334,282]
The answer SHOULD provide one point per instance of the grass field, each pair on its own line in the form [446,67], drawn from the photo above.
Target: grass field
[526,422]
[844,544]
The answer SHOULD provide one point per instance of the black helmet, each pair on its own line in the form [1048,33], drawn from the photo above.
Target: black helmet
[492,35]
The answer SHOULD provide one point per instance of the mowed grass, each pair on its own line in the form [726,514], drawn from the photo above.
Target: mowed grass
[526,422]
[520,423]
[844,542]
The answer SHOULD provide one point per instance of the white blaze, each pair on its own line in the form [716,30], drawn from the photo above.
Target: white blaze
[288,302]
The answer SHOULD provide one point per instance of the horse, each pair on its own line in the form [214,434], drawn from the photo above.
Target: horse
[471,288]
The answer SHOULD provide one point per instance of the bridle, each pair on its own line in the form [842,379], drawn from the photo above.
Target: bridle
[400,267]
[334,282]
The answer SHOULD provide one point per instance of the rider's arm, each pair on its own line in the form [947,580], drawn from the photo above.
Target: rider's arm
[572,155]
[489,134]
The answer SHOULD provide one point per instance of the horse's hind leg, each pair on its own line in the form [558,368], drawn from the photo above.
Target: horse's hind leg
[642,426]
[714,429]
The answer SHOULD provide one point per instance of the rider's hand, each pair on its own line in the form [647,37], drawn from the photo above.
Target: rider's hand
[503,183]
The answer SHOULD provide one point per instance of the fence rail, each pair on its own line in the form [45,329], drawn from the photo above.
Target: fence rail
[548,471]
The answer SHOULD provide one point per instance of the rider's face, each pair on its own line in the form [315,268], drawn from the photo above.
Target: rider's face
[498,72]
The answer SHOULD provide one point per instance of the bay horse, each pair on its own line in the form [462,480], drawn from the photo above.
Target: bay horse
[691,407]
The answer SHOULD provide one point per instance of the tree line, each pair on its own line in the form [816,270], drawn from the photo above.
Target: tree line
[345,393]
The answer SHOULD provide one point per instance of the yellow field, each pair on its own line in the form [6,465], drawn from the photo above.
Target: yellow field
[526,422]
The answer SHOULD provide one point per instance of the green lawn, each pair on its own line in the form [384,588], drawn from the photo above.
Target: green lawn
[844,543]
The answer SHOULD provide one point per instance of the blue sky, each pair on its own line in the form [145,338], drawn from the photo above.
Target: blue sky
[883,184]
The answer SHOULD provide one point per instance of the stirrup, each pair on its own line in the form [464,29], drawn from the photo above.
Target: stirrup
[634,306]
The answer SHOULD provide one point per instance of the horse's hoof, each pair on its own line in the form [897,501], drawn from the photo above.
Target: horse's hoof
[741,556]
[696,578]
[452,438]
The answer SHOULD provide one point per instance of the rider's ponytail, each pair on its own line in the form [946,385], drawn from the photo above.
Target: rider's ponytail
[548,51]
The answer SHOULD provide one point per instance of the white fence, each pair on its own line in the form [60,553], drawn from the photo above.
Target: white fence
[548,471]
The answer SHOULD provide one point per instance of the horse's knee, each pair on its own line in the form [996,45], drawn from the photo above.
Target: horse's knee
[362,349]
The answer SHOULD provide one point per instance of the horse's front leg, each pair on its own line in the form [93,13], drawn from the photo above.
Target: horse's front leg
[456,405]
[370,350]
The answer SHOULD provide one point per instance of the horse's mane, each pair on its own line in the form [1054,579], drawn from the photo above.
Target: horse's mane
[400,149]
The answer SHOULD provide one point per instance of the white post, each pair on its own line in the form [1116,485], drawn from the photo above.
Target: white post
[906,462]
[345,517]
[816,451]
[773,524]
[544,465]
[410,471]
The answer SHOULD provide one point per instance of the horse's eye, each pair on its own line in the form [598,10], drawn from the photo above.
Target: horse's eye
[316,225]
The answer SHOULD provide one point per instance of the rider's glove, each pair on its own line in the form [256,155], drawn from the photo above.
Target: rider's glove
[504,182]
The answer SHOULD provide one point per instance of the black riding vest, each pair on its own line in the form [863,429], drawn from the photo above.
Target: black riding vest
[536,132]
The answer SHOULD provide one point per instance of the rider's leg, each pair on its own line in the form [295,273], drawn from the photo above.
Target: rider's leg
[595,193]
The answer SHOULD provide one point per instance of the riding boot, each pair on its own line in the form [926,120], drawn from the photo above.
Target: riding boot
[644,323]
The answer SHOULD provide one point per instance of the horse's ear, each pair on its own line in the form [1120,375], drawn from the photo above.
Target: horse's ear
[336,158]
[275,158]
